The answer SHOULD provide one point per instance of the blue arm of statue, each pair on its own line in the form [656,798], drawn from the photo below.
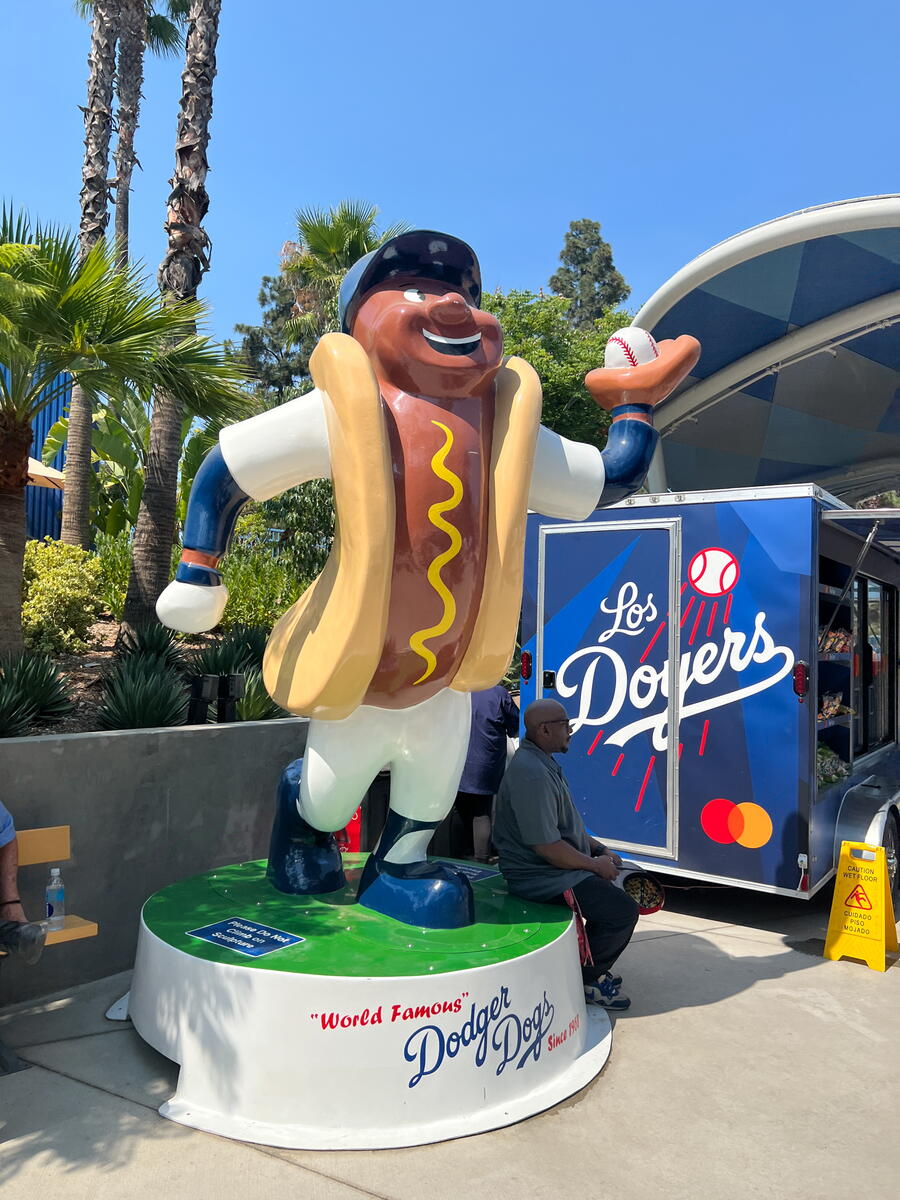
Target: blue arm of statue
[215,503]
[626,457]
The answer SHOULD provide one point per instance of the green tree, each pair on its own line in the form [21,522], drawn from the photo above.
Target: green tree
[273,363]
[61,312]
[185,262]
[329,242]
[587,278]
[537,329]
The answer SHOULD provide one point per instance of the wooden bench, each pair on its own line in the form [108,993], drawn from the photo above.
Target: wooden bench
[53,845]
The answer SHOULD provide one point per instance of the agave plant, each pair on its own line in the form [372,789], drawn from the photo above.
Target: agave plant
[256,704]
[236,653]
[36,679]
[142,693]
[155,643]
[16,714]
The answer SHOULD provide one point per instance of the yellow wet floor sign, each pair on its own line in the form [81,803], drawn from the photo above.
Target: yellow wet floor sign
[861,924]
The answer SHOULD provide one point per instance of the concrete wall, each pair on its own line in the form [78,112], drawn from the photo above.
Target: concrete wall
[147,807]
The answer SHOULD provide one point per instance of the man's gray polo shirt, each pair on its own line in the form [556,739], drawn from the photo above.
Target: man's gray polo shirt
[534,808]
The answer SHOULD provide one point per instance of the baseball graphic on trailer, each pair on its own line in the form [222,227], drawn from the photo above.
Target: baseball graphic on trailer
[713,571]
[629,347]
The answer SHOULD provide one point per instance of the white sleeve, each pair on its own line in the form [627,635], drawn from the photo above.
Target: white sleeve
[567,478]
[280,448]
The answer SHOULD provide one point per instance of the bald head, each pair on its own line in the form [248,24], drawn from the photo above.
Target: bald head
[547,725]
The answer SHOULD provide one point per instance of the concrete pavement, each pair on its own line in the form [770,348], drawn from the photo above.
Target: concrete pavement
[746,1067]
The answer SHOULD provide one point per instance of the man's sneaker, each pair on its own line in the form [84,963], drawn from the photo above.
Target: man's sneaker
[614,980]
[605,994]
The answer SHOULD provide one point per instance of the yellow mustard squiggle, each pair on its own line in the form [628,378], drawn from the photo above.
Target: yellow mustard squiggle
[435,516]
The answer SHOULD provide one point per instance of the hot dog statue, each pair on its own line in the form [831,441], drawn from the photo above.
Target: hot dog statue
[435,448]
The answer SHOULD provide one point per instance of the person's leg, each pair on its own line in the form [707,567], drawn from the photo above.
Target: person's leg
[475,810]
[610,917]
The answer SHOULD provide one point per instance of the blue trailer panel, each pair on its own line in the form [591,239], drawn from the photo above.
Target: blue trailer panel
[671,629]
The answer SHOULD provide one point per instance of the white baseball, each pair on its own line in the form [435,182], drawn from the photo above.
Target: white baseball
[629,347]
[713,572]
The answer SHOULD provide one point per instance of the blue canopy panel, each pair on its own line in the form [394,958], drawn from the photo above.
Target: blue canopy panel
[799,379]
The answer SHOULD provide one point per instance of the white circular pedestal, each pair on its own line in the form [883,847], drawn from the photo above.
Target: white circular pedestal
[367,1033]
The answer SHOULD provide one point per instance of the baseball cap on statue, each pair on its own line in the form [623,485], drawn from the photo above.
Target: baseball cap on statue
[419,253]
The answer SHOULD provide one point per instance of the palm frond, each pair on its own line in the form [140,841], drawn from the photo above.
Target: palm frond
[163,36]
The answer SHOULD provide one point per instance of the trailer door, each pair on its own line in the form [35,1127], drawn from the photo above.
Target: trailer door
[608,649]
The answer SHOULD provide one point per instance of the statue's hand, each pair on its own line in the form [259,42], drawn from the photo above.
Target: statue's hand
[646,383]
[190,608]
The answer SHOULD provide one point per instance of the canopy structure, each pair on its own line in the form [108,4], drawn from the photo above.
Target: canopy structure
[799,379]
[46,477]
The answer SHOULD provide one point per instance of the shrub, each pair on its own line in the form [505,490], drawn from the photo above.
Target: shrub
[61,586]
[141,693]
[236,651]
[261,587]
[38,682]
[114,555]
[154,642]
[16,714]
[256,704]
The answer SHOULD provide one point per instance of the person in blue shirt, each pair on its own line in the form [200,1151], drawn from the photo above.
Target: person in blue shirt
[495,717]
[18,935]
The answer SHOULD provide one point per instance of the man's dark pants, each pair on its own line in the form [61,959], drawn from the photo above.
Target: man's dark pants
[610,917]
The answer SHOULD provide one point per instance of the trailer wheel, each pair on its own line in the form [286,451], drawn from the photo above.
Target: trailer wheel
[891,843]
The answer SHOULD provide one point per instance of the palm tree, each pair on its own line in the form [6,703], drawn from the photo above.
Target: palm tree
[329,242]
[140,28]
[94,216]
[185,262]
[61,312]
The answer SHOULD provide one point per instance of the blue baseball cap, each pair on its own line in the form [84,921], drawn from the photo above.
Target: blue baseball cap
[417,254]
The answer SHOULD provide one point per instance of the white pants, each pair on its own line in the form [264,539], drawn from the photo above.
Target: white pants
[424,747]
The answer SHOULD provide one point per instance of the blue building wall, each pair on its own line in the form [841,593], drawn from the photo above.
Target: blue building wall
[43,506]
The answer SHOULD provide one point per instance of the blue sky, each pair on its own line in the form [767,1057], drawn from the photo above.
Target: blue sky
[675,126]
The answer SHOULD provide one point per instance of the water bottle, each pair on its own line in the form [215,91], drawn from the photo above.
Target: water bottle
[55,900]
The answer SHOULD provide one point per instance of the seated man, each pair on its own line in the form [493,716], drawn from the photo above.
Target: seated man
[545,850]
[17,934]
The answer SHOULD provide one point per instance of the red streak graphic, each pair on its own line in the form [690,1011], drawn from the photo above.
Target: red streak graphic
[640,799]
[684,615]
[712,618]
[683,586]
[728,609]
[618,763]
[595,741]
[697,622]
[703,738]
[652,640]
[680,748]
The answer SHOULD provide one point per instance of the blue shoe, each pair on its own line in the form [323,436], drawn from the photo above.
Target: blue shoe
[604,993]
[614,980]
[302,861]
[431,895]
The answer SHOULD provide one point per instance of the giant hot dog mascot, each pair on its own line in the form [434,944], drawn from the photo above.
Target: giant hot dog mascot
[434,444]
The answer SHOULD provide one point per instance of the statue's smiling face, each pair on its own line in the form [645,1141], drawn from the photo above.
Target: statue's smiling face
[426,338]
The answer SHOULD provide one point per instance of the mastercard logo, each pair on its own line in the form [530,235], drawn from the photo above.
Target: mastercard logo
[747,824]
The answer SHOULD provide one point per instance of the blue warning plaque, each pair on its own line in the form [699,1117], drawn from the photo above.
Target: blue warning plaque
[245,937]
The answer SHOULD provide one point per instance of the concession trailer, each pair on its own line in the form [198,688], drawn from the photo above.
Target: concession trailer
[729,662]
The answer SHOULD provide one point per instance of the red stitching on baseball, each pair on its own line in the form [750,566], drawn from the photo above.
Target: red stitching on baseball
[629,353]
[653,345]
